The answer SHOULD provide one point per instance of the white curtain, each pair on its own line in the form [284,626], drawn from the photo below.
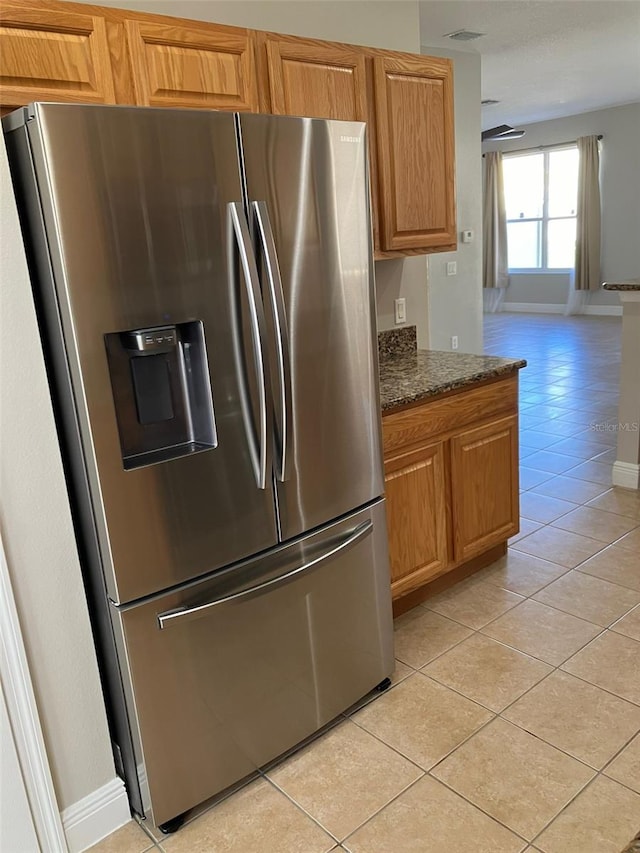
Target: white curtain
[495,277]
[586,276]
[577,300]
[492,299]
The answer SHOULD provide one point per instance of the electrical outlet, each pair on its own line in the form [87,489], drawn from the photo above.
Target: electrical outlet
[452,268]
[401,310]
[454,342]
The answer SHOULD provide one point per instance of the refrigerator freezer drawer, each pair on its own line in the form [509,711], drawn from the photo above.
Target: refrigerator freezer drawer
[231,672]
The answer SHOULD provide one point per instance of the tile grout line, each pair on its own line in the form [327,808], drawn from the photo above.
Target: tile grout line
[457,793]
[602,630]
[423,773]
[557,667]
[301,808]
[498,715]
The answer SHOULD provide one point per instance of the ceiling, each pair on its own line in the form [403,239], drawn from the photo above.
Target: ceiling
[544,59]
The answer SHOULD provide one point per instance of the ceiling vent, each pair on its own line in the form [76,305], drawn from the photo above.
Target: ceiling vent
[488,102]
[463,35]
[503,131]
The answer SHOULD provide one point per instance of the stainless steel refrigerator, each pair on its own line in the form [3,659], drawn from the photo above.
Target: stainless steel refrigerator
[204,287]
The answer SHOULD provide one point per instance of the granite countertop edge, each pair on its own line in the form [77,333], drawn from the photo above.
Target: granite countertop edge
[632,284]
[410,378]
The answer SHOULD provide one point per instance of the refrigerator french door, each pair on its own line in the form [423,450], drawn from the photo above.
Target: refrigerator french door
[306,188]
[204,288]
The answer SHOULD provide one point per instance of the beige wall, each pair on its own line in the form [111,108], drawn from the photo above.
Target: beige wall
[379,23]
[455,302]
[620,199]
[38,537]
[35,517]
[628,443]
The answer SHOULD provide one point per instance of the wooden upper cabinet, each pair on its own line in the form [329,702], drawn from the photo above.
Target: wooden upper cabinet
[484,485]
[59,51]
[315,78]
[204,66]
[50,55]
[416,167]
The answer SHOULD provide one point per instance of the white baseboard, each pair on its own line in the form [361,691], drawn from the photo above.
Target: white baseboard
[533,307]
[626,474]
[95,816]
[558,308]
[604,310]
[24,722]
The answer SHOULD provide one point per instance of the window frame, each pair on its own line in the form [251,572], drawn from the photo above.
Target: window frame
[543,269]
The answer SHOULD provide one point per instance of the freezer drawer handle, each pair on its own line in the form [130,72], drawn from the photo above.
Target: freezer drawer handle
[237,226]
[173,617]
[276,292]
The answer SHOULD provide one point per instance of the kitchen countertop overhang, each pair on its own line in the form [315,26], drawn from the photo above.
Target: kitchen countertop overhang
[631,284]
[414,376]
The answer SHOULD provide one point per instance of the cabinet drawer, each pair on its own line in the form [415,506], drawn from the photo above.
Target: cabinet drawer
[446,415]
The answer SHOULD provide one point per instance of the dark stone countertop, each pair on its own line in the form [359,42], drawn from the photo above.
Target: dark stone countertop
[631,284]
[410,377]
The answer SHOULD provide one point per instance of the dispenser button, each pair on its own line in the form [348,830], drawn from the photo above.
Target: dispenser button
[155,339]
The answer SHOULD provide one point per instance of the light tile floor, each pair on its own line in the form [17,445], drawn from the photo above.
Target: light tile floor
[514,718]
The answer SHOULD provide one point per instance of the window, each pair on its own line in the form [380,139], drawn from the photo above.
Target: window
[541,194]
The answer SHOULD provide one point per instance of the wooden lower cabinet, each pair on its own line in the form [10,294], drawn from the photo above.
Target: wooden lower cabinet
[484,495]
[451,482]
[416,516]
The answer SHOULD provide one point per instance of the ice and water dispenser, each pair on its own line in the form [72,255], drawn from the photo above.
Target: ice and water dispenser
[162,392]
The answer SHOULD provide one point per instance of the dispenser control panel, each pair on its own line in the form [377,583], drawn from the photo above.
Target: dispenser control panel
[152,340]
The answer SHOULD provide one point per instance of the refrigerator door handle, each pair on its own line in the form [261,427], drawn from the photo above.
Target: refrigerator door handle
[283,358]
[182,615]
[238,236]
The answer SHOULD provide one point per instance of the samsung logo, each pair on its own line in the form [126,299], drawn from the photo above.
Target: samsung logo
[349,138]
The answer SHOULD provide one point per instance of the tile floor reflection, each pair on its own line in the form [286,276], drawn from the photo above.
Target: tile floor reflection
[514,717]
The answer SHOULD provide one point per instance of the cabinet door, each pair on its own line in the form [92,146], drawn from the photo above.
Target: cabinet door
[484,487]
[316,79]
[49,55]
[415,489]
[192,66]
[414,119]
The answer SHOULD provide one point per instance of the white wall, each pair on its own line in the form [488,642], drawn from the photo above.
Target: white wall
[455,302]
[38,537]
[17,830]
[35,517]
[620,198]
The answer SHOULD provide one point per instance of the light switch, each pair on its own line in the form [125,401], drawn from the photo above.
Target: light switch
[401,310]
[452,268]
[467,236]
